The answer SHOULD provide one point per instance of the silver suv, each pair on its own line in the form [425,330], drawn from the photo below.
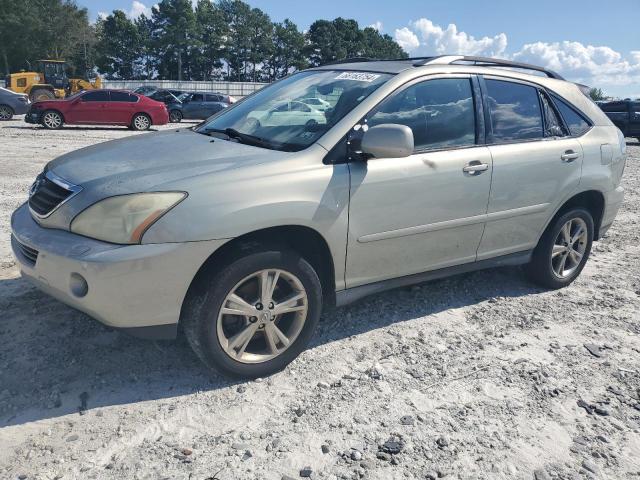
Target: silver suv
[240,230]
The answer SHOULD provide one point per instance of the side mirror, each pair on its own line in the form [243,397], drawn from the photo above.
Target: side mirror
[388,141]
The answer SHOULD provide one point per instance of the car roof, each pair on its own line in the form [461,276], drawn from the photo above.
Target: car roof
[399,65]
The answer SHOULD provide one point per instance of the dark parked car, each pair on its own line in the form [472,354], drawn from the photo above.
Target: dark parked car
[100,107]
[195,106]
[625,114]
[12,103]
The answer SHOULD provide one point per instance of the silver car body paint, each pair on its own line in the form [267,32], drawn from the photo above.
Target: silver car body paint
[381,219]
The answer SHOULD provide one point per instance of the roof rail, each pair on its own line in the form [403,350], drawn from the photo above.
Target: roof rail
[351,60]
[486,62]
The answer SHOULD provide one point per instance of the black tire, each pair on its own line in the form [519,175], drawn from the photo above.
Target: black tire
[40,94]
[205,299]
[140,122]
[175,116]
[541,270]
[6,112]
[51,120]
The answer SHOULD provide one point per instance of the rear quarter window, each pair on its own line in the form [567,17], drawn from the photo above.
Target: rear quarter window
[576,123]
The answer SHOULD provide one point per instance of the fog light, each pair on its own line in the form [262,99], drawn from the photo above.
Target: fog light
[78,285]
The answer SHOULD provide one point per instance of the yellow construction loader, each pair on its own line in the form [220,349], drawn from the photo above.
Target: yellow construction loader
[49,81]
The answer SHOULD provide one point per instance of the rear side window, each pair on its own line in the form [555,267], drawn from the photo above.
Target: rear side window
[553,126]
[576,123]
[97,96]
[197,97]
[440,113]
[123,97]
[515,111]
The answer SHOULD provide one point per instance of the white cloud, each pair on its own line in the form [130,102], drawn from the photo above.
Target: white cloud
[102,15]
[584,63]
[407,39]
[138,8]
[427,38]
[599,66]
[377,26]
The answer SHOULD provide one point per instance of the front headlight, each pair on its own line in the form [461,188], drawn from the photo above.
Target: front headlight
[125,218]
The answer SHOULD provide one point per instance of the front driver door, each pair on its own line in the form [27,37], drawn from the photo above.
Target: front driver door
[425,211]
[89,108]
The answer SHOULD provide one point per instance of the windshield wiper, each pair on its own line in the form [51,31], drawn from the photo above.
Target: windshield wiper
[241,137]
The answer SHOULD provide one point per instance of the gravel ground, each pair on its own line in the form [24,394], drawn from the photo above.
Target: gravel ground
[480,376]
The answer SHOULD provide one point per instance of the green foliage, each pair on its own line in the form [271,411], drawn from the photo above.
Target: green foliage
[203,40]
[597,94]
[37,29]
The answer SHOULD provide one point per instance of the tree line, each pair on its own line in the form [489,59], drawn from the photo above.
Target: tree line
[211,40]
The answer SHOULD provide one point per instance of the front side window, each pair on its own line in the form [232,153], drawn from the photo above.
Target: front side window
[515,111]
[197,97]
[97,96]
[440,113]
[577,124]
[276,117]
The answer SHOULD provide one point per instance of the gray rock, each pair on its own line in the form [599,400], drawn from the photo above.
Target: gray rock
[593,349]
[356,456]
[407,420]
[541,474]
[590,466]
[306,472]
[442,441]
[392,446]
[323,385]
[325,448]
[72,438]
[431,475]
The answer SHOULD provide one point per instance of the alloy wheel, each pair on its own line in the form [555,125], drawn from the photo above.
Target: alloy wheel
[569,247]
[141,122]
[52,120]
[262,316]
[5,113]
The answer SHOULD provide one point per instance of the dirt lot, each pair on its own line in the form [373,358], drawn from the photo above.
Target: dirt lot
[476,377]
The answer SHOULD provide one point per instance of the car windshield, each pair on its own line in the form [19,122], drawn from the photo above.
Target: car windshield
[183,96]
[278,117]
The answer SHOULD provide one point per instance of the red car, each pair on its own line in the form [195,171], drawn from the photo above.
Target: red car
[100,107]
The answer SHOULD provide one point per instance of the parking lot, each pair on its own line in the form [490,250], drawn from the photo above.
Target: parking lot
[474,377]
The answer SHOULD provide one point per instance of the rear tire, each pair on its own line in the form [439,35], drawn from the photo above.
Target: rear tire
[175,116]
[51,120]
[563,250]
[6,112]
[271,339]
[141,122]
[40,94]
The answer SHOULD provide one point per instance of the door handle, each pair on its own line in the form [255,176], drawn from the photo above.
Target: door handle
[475,168]
[569,156]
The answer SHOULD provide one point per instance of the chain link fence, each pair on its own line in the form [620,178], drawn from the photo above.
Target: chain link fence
[235,89]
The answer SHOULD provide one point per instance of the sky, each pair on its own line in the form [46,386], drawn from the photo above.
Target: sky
[595,42]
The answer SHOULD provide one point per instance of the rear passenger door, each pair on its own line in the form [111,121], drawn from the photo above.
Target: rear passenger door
[211,105]
[537,165]
[122,107]
[425,211]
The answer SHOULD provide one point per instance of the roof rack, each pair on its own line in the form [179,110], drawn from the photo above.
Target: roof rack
[351,60]
[485,62]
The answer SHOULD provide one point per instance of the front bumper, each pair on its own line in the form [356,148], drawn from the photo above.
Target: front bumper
[139,288]
[21,108]
[32,116]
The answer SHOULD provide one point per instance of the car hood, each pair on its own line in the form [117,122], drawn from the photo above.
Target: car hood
[142,162]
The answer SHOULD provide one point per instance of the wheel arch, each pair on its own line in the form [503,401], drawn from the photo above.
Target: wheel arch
[592,200]
[306,241]
[141,112]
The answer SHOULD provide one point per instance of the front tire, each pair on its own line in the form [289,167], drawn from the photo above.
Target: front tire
[255,315]
[51,120]
[6,112]
[41,94]
[140,122]
[563,250]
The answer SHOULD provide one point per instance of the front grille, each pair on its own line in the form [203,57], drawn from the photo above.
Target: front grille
[45,195]
[30,254]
